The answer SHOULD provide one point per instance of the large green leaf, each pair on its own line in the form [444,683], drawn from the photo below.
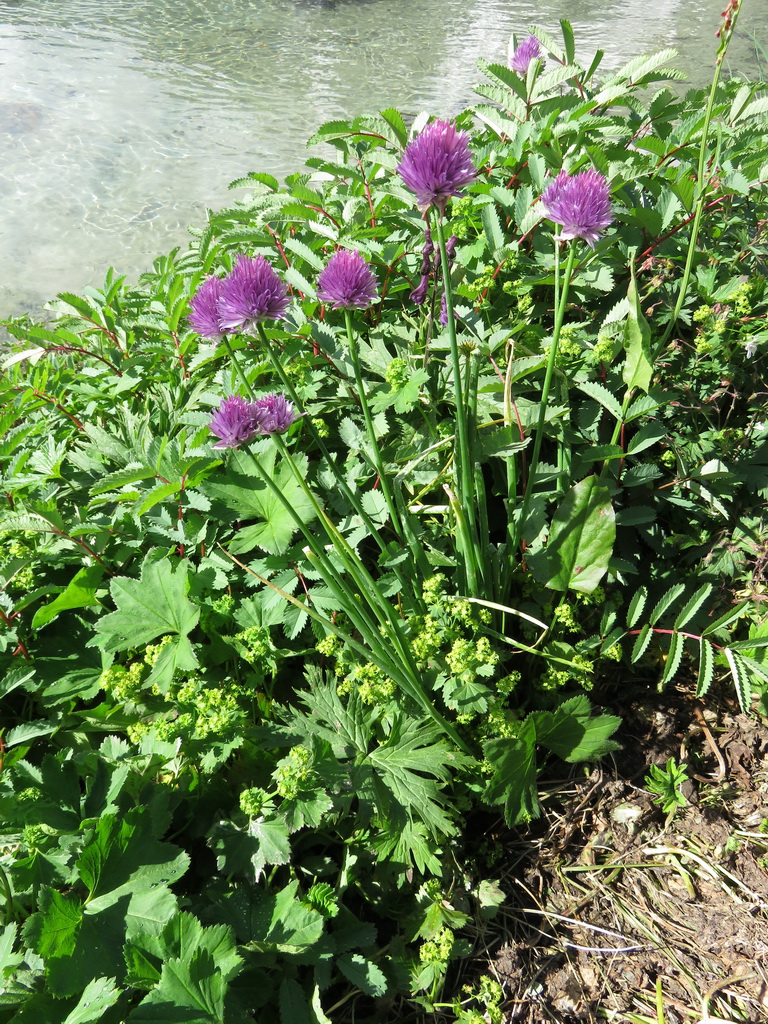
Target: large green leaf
[245,491]
[513,782]
[154,605]
[99,995]
[580,541]
[53,930]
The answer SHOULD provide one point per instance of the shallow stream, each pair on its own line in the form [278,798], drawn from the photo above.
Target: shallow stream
[121,123]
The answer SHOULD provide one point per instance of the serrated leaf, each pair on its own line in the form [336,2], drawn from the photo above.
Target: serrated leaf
[641,643]
[673,659]
[574,733]
[492,227]
[53,930]
[706,667]
[601,394]
[513,782]
[636,606]
[154,605]
[666,601]
[741,681]
[692,606]
[98,996]
[638,366]
[363,974]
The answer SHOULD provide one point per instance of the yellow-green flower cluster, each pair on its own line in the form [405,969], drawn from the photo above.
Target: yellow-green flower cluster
[252,801]
[294,774]
[123,682]
[471,657]
[579,671]
[437,950]
[371,683]
[397,374]
[254,644]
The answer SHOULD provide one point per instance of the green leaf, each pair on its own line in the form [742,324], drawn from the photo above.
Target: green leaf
[574,733]
[53,930]
[601,394]
[673,659]
[492,227]
[638,367]
[513,782]
[641,644]
[580,541]
[706,667]
[98,996]
[80,593]
[363,974]
[665,602]
[154,605]
[741,680]
[123,858]
[636,606]
[293,1003]
[693,605]
[187,993]
[245,492]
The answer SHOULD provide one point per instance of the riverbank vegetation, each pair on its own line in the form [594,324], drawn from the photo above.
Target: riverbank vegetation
[328,537]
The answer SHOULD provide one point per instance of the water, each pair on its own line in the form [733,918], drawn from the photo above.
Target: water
[121,124]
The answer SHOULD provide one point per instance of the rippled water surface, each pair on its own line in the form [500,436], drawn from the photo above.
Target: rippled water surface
[121,124]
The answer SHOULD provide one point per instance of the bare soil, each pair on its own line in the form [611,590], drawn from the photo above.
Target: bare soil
[619,913]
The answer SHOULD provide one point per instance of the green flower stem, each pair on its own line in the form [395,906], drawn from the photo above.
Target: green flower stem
[561,299]
[701,190]
[465,477]
[237,365]
[352,498]
[367,587]
[397,662]
[363,398]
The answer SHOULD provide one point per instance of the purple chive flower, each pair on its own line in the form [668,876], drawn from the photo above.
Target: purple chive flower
[580,204]
[235,422]
[250,293]
[437,164]
[347,281]
[527,51]
[204,309]
[274,414]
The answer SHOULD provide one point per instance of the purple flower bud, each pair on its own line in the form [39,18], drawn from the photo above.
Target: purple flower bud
[580,204]
[204,309]
[250,293]
[346,281]
[429,246]
[419,293]
[527,51]
[234,422]
[274,414]
[450,247]
[444,311]
[437,164]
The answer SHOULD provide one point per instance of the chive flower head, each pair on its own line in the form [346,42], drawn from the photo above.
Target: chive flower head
[580,204]
[204,309]
[526,52]
[234,422]
[238,421]
[437,164]
[346,281]
[250,293]
[274,414]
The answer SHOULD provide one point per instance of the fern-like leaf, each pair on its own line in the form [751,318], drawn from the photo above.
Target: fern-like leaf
[692,605]
[641,644]
[741,679]
[636,606]
[665,602]
[706,667]
[674,657]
